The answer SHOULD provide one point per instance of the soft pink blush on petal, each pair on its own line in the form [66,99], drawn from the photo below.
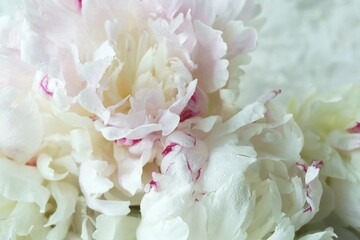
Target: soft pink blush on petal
[355,129]
[208,55]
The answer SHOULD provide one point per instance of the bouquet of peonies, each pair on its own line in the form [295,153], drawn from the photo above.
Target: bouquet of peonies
[128,119]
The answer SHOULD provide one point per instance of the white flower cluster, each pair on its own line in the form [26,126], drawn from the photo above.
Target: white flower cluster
[124,119]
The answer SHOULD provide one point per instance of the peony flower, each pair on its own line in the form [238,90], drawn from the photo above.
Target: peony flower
[123,119]
[138,69]
[243,190]
[330,126]
[139,73]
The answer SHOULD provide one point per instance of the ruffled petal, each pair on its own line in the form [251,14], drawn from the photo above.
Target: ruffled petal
[65,196]
[94,183]
[212,69]
[284,230]
[328,234]
[22,183]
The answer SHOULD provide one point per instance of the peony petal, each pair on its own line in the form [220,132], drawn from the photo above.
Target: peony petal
[284,230]
[249,114]
[22,183]
[65,196]
[239,39]
[212,69]
[224,162]
[60,231]
[166,215]
[115,133]
[347,196]
[7,229]
[110,228]
[170,118]
[91,102]
[94,70]
[130,171]
[43,165]
[81,144]
[328,234]
[58,25]
[94,182]
[229,209]
[18,140]
[26,216]
[344,141]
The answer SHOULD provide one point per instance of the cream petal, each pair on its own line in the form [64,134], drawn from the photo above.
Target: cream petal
[65,196]
[22,183]
[229,209]
[110,228]
[18,140]
[94,183]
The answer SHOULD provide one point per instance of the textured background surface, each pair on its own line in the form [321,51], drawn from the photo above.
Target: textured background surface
[307,45]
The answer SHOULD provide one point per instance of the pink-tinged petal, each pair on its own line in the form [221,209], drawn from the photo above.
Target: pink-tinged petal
[96,13]
[344,141]
[169,148]
[48,19]
[302,166]
[178,36]
[201,10]
[212,70]
[126,141]
[20,76]
[79,4]
[170,118]
[269,96]
[313,187]
[182,138]
[160,8]
[153,185]
[131,161]
[72,5]
[44,59]
[193,107]
[44,85]
[355,129]
[184,156]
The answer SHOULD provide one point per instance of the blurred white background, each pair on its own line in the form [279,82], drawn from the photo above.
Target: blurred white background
[8,6]
[305,44]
